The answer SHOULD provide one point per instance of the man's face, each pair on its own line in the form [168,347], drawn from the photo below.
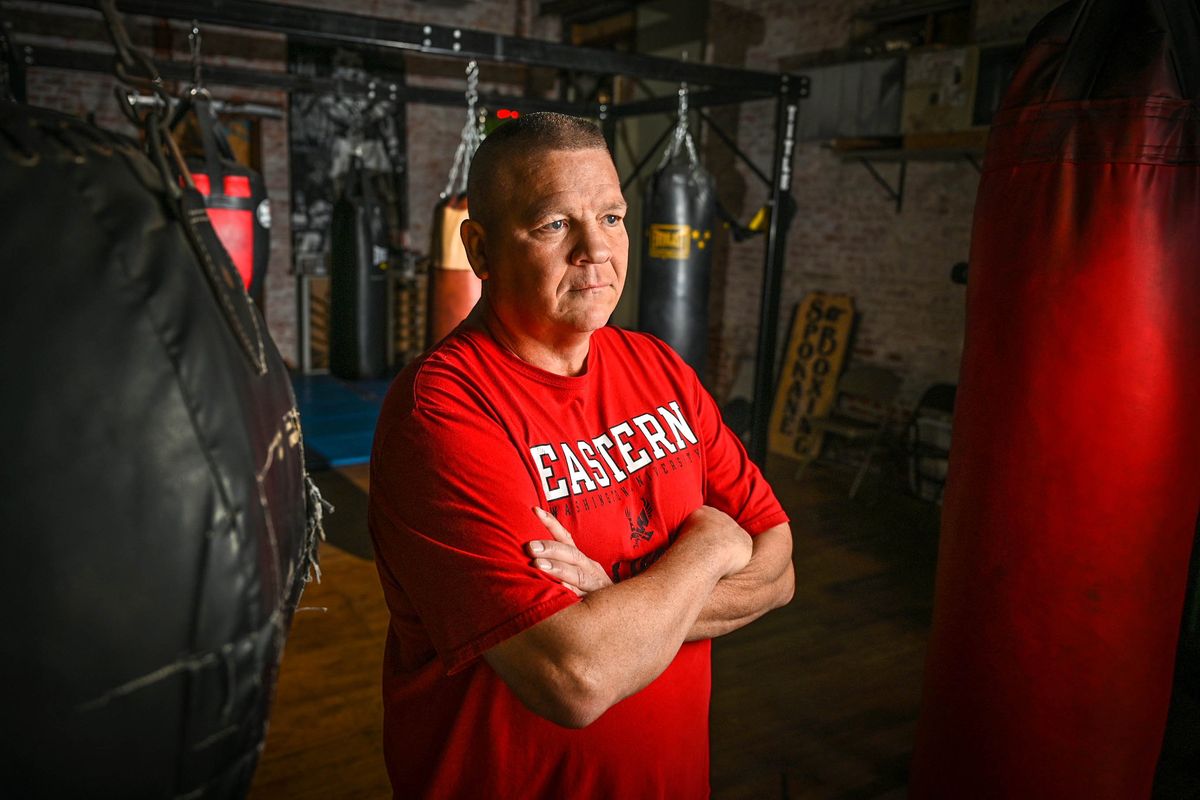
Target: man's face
[556,254]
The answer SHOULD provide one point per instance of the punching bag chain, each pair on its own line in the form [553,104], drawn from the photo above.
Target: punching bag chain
[682,138]
[472,136]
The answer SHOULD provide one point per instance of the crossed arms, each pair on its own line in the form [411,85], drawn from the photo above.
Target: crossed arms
[714,579]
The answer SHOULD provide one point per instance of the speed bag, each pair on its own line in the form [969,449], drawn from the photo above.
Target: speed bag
[358,346]
[1074,482]
[237,203]
[677,258]
[154,505]
[453,288]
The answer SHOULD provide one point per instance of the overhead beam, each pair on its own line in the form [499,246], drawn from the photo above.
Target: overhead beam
[91,61]
[319,25]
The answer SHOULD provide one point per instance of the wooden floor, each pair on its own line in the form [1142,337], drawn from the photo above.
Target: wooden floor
[817,700]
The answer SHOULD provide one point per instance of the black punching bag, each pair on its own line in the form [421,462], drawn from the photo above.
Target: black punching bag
[677,253]
[358,290]
[153,509]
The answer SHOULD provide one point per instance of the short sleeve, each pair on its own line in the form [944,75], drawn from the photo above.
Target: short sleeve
[451,509]
[733,483]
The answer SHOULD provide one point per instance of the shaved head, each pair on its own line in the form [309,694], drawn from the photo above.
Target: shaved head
[527,136]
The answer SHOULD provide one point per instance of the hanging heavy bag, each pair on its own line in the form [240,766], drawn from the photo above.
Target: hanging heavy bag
[154,503]
[677,251]
[453,287]
[358,282]
[1073,489]
[236,198]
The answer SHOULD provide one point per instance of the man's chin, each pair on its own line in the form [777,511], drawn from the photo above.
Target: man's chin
[591,319]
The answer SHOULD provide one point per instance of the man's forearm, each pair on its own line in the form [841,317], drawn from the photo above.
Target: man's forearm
[573,666]
[766,583]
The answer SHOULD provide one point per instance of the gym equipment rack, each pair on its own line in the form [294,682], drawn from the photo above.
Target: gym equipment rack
[710,85]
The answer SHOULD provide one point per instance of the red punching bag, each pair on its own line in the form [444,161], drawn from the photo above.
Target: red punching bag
[453,288]
[236,198]
[1074,480]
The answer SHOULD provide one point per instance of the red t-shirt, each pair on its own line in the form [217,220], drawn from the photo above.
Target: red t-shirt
[469,440]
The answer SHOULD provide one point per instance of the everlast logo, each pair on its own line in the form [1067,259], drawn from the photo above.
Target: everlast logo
[670,241]
[611,457]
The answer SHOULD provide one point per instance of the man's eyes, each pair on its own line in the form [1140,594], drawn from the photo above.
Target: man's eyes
[612,220]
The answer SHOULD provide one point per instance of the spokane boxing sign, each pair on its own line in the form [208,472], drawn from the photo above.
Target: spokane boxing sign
[611,457]
[808,386]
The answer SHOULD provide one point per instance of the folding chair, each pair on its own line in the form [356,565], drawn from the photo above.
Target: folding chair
[860,413]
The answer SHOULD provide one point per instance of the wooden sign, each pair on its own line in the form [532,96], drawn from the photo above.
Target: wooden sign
[812,363]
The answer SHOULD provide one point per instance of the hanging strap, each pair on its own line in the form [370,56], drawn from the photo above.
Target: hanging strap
[470,139]
[216,147]
[135,70]
[1181,21]
[1092,32]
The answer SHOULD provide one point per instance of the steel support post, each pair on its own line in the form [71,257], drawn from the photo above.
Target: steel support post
[787,109]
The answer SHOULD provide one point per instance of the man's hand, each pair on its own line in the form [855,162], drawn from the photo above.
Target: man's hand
[726,535]
[563,559]
[763,581]
[565,668]
[766,583]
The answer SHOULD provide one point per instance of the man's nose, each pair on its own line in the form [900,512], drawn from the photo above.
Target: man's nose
[592,246]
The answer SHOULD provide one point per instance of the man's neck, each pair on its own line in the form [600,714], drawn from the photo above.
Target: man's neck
[566,357]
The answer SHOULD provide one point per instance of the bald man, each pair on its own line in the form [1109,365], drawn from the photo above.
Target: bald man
[561,520]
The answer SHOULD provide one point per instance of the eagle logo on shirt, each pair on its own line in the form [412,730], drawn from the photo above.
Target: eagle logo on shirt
[637,528]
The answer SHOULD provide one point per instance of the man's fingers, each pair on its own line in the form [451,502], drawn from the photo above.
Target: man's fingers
[559,551]
[573,569]
[561,558]
[554,526]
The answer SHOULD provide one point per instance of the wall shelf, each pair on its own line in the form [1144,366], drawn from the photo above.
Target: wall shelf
[965,146]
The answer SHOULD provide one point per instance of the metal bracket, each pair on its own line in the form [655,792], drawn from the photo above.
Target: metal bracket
[896,193]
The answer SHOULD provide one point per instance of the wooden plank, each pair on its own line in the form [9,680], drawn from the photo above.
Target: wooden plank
[326,733]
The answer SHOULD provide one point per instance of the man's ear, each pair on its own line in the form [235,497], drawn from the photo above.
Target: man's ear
[474,242]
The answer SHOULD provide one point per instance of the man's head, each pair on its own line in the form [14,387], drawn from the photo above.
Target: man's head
[487,188]
[546,231]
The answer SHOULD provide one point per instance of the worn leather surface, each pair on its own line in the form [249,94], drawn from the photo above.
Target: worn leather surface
[1074,480]
[153,504]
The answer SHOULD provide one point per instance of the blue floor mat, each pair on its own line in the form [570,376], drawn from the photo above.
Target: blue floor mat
[338,418]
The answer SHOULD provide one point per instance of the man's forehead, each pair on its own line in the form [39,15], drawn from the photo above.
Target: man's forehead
[565,180]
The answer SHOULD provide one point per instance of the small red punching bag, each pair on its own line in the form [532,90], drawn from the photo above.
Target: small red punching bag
[1074,480]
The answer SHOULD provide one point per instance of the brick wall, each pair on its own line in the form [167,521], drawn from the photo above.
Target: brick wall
[847,236]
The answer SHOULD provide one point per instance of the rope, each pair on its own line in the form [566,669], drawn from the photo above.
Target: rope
[469,140]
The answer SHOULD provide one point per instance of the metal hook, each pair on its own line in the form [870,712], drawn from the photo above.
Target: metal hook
[194,48]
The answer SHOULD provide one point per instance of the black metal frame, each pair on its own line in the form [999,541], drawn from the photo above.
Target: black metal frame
[710,84]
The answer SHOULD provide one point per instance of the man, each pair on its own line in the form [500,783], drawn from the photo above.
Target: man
[561,521]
